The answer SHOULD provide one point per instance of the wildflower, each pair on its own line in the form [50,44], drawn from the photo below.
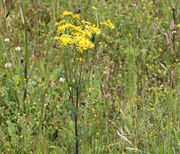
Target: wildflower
[80,59]
[59,23]
[87,33]
[7,65]
[61,28]
[18,49]
[83,43]
[94,8]
[6,40]
[178,25]
[77,29]
[67,13]
[76,16]
[85,22]
[61,79]
[108,23]
[64,39]
[96,30]
[78,36]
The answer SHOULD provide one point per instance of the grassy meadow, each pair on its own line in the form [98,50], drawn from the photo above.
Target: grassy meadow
[90,76]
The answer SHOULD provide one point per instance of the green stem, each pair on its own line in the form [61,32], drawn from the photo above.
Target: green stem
[23,12]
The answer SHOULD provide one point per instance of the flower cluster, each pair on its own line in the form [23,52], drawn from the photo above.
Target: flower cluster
[108,23]
[71,31]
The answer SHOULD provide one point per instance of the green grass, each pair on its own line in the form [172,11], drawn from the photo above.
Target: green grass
[130,102]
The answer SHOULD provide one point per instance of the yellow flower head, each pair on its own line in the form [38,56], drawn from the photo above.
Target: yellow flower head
[178,25]
[60,29]
[87,33]
[82,43]
[96,30]
[64,39]
[79,34]
[94,8]
[85,22]
[108,23]
[80,59]
[76,16]
[67,13]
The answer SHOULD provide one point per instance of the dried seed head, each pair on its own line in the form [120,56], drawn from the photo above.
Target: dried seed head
[7,66]
[6,40]
[18,49]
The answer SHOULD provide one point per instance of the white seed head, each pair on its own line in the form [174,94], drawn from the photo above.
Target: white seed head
[6,40]
[7,65]
[18,49]
[61,79]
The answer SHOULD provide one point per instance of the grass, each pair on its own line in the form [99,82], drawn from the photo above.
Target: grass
[130,99]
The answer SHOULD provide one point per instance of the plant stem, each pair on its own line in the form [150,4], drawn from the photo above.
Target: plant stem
[23,14]
[174,28]
[75,117]
[76,113]
[76,120]
[26,62]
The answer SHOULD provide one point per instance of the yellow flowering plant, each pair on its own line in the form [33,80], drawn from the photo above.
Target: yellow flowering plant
[75,39]
[74,36]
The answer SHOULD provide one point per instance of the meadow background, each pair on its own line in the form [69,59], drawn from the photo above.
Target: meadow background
[131,101]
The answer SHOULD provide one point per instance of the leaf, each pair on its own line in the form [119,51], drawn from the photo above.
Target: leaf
[12,133]
[22,15]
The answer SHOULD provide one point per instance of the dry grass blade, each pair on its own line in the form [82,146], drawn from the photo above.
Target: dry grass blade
[127,140]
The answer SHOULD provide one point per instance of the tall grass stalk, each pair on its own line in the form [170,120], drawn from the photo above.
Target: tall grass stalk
[23,17]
